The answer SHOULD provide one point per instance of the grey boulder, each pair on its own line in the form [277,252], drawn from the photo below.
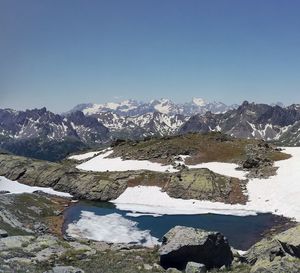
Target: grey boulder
[181,245]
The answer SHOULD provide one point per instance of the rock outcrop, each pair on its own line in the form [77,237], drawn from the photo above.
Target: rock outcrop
[184,244]
[201,184]
[278,254]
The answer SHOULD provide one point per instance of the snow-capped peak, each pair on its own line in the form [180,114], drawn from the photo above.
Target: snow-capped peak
[164,106]
[199,101]
[123,106]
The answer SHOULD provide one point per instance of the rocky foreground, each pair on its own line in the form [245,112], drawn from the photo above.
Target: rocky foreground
[31,241]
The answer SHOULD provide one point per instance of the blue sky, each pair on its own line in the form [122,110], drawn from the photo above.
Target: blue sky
[58,53]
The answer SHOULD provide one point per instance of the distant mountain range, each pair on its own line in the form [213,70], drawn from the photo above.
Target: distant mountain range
[42,134]
[164,106]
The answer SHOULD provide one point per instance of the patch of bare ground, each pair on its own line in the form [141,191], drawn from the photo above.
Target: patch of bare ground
[200,147]
[55,222]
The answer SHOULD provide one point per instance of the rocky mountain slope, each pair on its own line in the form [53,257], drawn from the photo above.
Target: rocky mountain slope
[138,127]
[251,120]
[41,123]
[42,134]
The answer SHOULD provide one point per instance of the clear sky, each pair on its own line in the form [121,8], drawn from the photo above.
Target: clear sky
[58,53]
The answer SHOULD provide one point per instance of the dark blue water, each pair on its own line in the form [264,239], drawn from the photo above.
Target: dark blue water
[242,232]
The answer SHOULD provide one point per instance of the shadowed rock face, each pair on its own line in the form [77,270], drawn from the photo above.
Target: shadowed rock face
[183,244]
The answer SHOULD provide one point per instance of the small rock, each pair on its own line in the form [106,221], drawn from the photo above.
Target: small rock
[58,212]
[193,267]
[40,228]
[68,238]
[4,192]
[65,269]
[147,267]
[251,162]
[173,270]
[3,233]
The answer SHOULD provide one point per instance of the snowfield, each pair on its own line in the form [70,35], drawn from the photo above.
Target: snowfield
[228,169]
[16,187]
[101,163]
[278,194]
[150,199]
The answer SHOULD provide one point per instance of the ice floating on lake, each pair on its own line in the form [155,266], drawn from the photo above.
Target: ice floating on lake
[112,228]
[16,187]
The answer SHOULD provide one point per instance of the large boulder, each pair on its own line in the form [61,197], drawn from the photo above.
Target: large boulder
[280,253]
[184,244]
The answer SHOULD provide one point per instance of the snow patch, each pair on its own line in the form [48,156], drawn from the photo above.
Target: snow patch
[101,163]
[17,188]
[135,214]
[228,169]
[84,156]
[150,199]
[279,194]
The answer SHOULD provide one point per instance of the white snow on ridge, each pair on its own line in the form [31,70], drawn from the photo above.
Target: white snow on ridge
[228,169]
[17,188]
[101,163]
[278,194]
[84,156]
[199,101]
